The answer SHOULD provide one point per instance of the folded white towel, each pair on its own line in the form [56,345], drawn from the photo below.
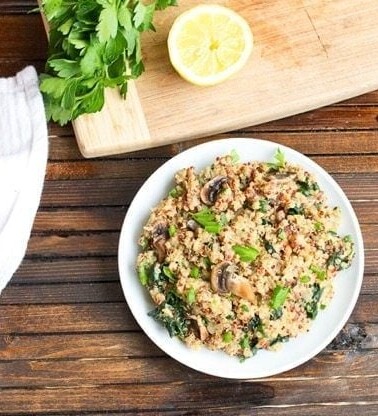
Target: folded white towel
[23,157]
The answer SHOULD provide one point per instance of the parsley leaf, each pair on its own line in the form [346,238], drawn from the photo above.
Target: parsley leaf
[280,161]
[93,44]
[246,254]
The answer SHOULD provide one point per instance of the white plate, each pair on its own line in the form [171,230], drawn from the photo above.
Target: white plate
[265,363]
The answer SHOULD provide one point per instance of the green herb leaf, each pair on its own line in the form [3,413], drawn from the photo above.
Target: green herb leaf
[279,296]
[279,338]
[176,323]
[227,337]
[263,205]
[295,210]
[125,17]
[304,279]
[276,314]
[246,254]
[318,226]
[162,4]
[234,156]
[244,308]
[176,192]
[195,272]
[143,16]
[281,235]
[64,68]
[108,22]
[207,220]
[321,274]
[172,230]
[54,86]
[143,272]
[95,44]
[280,161]
[311,307]
[244,342]
[91,61]
[191,296]
[255,324]
[307,188]
[167,271]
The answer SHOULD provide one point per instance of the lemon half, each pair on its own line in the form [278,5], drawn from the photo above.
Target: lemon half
[209,43]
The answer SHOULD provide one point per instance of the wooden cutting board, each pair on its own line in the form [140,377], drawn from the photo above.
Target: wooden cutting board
[307,54]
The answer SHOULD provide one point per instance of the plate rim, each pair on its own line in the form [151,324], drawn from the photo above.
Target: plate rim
[231,143]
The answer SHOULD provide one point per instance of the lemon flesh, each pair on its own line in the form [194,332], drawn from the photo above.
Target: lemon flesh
[209,43]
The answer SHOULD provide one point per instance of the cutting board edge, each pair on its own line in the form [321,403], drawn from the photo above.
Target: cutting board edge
[301,109]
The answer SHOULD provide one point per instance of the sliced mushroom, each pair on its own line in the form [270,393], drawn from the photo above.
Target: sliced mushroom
[224,279]
[159,237]
[192,225]
[211,189]
[200,329]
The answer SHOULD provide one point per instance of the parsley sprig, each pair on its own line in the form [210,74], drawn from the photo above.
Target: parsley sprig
[93,44]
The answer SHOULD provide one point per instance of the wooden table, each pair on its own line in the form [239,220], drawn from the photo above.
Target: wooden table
[68,343]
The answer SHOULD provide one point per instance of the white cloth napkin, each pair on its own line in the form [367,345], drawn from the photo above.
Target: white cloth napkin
[23,157]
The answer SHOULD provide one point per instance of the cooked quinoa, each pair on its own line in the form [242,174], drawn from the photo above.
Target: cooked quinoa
[241,256]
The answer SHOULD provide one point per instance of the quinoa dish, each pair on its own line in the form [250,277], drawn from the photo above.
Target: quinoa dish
[241,256]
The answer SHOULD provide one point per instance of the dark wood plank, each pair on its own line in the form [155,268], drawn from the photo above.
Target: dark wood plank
[371,261]
[190,396]
[45,319]
[86,244]
[77,346]
[9,67]
[370,235]
[75,372]
[102,169]
[309,143]
[326,118]
[365,99]
[90,192]
[5,4]
[71,270]
[62,293]
[89,219]
[30,44]
[105,317]
[133,169]
[366,211]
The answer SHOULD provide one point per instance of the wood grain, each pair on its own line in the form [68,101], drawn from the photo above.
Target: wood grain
[50,373]
[210,395]
[90,269]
